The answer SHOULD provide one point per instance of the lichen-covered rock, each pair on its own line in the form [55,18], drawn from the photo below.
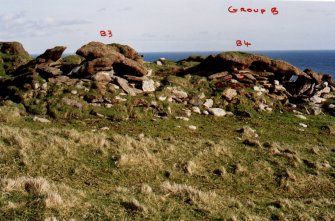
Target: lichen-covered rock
[231,61]
[12,56]
[127,51]
[101,57]
[51,55]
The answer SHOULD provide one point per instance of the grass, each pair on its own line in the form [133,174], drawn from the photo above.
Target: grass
[136,161]
[153,170]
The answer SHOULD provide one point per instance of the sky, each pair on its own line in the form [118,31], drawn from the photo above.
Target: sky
[174,25]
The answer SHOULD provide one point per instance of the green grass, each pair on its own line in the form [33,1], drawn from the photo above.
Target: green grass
[169,173]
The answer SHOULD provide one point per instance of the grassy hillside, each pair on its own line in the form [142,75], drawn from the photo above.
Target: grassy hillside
[162,170]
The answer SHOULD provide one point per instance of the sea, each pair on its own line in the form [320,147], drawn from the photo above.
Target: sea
[319,61]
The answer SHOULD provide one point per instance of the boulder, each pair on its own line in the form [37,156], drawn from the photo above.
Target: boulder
[51,55]
[229,94]
[248,132]
[103,76]
[218,112]
[208,103]
[101,57]
[123,83]
[127,51]
[48,72]
[232,61]
[12,56]
[148,86]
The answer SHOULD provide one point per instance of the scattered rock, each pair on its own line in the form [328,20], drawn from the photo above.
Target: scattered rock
[51,55]
[148,86]
[42,120]
[218,75]
[196,110]
[192,127]
[303,125]
[208,103]
[180,94]
[123,83]
[218,112]
[248,132]
[183,118]
[229,94]
[302,117]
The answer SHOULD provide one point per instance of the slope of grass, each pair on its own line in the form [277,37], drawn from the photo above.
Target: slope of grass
[161,170]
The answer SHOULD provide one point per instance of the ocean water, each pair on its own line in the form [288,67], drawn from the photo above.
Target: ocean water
[319,61]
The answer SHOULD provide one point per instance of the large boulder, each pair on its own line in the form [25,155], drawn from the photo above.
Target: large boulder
[127,51]
[12,56]
[102,57]
[51,55]
[232,61]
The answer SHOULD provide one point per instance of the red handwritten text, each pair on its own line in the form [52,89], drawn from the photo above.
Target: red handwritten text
[107,33]
[262,11]
[239,43]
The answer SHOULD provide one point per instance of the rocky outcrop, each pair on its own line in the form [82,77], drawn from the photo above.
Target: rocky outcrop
[105,76]
[12,56]
[108,57]
[51,55]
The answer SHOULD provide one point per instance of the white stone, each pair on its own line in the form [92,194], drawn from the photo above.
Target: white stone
[192,127]
[159,63]
[262,106]
[104,128]
[74,92]
[148,86]
[302,117]
[303,125]
[229,94]
[162,59]
[36,86]
[44,86]
[332,106]
[325,90]
[149,73]
[179,93]
[218,112]
[317,100]
[228,113]
[162,98]
[116,86]
[256,88]
[208,103]
[103,76]
[205,112]
[276,82]
[183,118]
[109,105]
[202,95]
[196,110]
[42,120]
[120,98]
[154,103]
[188,113]
[100,115]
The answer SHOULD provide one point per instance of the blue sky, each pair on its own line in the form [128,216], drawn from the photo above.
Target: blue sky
[174,25]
